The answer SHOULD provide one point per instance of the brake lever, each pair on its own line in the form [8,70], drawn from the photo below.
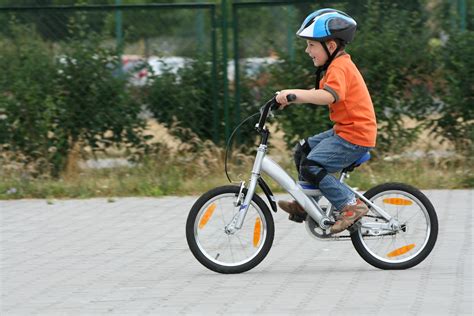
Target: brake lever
[268,108]
[276,106]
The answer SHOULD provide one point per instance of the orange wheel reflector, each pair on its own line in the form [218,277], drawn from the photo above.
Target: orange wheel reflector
[400,251]
[207,215]
[397,201]
[256,232]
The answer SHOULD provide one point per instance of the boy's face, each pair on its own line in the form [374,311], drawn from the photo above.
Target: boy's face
[317,53]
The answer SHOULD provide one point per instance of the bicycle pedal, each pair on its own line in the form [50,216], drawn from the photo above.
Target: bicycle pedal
[297,218]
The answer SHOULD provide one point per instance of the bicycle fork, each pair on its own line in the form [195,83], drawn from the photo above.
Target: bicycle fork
[239,218]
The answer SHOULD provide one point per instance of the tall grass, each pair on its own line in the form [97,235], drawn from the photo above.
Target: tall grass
[197,166]
[191,168]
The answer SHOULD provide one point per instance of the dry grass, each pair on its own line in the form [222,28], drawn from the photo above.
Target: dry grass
[191,168]
[421,173]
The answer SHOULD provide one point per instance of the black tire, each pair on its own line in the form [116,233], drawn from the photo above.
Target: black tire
[201,257]
[359,244]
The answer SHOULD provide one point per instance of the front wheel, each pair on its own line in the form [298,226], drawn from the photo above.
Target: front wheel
[411,242]
[218,248]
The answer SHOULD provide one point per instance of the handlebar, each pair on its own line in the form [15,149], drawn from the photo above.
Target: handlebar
[270,106]
[289,98]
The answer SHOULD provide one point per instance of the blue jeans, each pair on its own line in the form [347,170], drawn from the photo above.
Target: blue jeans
[334,154]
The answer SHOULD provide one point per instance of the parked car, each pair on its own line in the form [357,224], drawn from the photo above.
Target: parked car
[140,69]
[250,67]
[135,67]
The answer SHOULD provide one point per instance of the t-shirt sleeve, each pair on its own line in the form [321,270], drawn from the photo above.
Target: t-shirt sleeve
[336,84]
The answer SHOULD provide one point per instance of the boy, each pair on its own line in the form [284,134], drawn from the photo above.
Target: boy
[327,31]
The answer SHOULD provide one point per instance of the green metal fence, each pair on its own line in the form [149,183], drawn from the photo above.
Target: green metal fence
[236,39]
[150,38]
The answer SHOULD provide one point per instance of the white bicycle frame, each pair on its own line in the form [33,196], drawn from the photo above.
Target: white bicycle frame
[272,169]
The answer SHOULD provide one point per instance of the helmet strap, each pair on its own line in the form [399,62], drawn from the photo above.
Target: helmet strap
[319,71]
[324,67]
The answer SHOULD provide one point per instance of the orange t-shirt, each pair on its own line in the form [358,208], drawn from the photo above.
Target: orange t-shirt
[352,112]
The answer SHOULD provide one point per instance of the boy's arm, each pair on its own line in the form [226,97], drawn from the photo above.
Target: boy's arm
[319,97]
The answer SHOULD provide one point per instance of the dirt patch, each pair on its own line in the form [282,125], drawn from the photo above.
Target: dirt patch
[428,141]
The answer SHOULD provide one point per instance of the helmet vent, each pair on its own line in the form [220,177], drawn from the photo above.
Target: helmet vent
[309,22]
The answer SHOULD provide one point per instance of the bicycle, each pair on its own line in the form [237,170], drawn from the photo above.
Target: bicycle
[230,229]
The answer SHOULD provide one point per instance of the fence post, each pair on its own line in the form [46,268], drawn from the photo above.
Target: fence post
[200,30]
[462,14]
[118,28]
[235,48]
[215,116]
[224,59]
[291,33]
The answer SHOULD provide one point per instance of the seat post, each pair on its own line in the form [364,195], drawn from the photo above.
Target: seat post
[344,175]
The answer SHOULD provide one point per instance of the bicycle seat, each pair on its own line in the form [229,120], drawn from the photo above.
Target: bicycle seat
[357,163]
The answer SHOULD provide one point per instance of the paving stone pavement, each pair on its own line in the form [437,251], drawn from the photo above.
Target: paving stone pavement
[130,257]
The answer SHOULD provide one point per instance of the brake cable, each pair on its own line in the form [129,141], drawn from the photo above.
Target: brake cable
[230,141]
[290,97]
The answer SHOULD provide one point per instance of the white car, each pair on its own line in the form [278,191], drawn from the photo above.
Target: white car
[250,67]
[140,69]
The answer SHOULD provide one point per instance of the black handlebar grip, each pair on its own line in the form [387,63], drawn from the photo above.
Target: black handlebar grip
[276,105]
[291,97]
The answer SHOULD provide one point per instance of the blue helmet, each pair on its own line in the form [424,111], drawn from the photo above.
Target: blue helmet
[326,24]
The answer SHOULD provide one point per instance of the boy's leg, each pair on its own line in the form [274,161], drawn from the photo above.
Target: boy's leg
[301,150]
[331,155]
[304,147]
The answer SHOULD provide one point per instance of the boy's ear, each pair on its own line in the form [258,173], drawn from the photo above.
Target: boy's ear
[332,45]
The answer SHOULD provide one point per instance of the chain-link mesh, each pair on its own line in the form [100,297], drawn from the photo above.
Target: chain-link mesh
[95,74]
[83,74]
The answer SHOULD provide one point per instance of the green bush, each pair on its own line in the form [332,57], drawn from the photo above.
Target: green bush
[54,101]
[96,106]
[184,99]
[28,103]
[455,121]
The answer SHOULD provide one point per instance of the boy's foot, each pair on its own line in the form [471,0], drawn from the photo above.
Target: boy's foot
[349,215]
[294,209]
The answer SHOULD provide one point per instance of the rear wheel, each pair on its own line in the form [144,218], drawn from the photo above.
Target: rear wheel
[411,242]
[216,247]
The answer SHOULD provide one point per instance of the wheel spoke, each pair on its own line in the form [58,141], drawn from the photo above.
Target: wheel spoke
[243,247]
[222,213]
[399,246]
[413,216]
[230,248]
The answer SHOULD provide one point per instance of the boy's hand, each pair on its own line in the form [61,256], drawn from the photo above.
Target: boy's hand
[281,98]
